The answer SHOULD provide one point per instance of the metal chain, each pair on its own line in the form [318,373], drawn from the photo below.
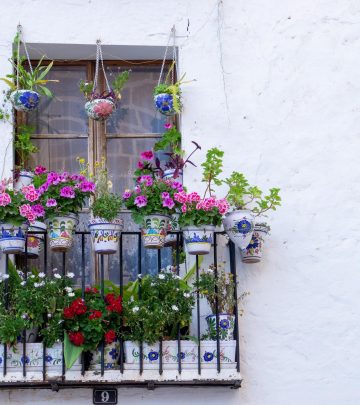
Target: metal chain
[103,68]
[96,65]
[166,51]
[174,56]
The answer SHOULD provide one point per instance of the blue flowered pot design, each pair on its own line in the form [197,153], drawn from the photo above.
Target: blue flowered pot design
[105,235]
[25,100]
[239,225]
[254,250]
[164,103]
[198,240]
[12,238]
[225,326]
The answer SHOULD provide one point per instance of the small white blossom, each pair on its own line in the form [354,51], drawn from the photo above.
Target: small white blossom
[187,295]
[71,294]
[5,276]
[41,275]
[132,298]
[23,283]
[32,276]
[70,275]
[209,271]
[57,276]
[36,285]
[49,315]
[42,284]
[174,307]
[24,316]
[68,289]
[161,276]
[177,277]
[55,270]
[152,284]
[52,282]
[135,309]
[20,273]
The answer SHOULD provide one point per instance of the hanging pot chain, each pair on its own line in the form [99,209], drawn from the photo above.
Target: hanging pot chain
[99,58]
[18,61]
[172,34]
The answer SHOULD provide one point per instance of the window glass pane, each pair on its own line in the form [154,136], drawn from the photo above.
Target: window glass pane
[136,113]
[64,113]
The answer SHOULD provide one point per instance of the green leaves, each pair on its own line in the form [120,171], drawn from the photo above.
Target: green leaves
[238,189]
[107,206]
[212,168]
[170,139]
[120,81]
[71,352]
[23,145]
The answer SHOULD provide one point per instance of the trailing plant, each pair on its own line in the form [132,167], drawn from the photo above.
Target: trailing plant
[170,139]
[23,145]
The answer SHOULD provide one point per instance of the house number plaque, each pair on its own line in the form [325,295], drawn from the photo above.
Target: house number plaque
[105,396]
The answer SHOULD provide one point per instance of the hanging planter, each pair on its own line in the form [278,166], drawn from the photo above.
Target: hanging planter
[198,239]
[24,179]
[254,250]
[105,235]
[12,237]
[35,242]
[239,226]
[100,106]
[25,100]
[60,230]
[154,230]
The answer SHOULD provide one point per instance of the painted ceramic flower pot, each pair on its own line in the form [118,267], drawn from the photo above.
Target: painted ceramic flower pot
[99,109]
[239,225]
[254,250]
[154,230]
[226,326]
[30,335]
[35,242]
[171,239]
[25,179]
[111,356]
[105,235]
[169,174]
[25,100]
[12,238]
[198,239]
[60,230]
[164,103]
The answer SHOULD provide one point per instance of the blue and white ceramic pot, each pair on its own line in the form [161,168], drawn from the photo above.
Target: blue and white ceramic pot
[154,230]
[169,174]
[25,100]
[226,326]
[254,250]
[171,238]
[239,225]
[60,230]
[12,237]
[164,103]
[35,242]
[105,234]
[100,109]
[25,178]
[198,239]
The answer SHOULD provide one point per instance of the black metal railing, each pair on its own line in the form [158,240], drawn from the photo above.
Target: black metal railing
[83,238]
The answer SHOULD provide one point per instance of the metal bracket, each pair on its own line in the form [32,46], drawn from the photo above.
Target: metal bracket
[151,385]
[55,387]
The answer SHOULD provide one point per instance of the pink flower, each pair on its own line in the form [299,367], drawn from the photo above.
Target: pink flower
[40,170]
[67,192]
[165,194]
[24,210]
[193,197]
[209,203]
[30,216]
[126,195]
[168,202]
[38,210]
[103,109]
[146,179]
[168,125]
[31,194]
[51,202]
[183,208]
[140,201]
[5,199]
[177,186]
[147,155]
[87,186]
[137,189]
[180,197]
[200,205]
[140,165]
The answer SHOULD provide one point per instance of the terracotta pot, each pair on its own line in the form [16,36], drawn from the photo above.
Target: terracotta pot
[198,239]
[105,235]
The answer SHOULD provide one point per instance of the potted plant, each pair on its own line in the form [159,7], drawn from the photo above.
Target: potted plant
[15,215]
[165,307]
[27,85]
[167,95]
[90,320]
[248,204]
[105,226]
[62,195]
[100,106]
[151,204]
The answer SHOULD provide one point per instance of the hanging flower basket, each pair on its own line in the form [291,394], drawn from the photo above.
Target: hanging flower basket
[60,230]
[164,103]
[12,237]
[105,235]
[35,242]
[154,230]
[239,225]
[225,325]
[254,250]
[198,239]
[100,109]
[25,178]
[25,100]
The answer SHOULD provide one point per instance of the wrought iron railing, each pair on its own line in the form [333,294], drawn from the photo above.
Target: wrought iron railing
[122,375]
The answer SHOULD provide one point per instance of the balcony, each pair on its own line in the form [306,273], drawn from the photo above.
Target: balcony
[167,362]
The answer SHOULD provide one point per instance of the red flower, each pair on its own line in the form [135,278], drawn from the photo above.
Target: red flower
[68,313]
[110,298]
[91,290]
[115,305]
[110,336]
[78,306]
[95,314]
[77,338]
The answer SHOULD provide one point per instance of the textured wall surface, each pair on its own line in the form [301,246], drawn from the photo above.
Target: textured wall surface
[278,89]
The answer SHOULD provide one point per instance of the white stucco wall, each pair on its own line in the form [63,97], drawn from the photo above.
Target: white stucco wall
[278,89]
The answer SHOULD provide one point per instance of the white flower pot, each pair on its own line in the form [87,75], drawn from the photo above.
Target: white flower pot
[154,230]
[164,103]
[111,356]
[25,100]
[169,174]
[25,179]
[35,242]
[198,239]
[105,235]
[171,239]
[254,250]
[12,237]
[239,225]
[100,109]
[226,326]
[60,230]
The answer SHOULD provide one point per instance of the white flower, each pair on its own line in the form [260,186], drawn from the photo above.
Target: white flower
[55,270]
[24,316]
[36,285]
[41,275]
[70,275]
[61,321]
[5,276]
[23,283]
[139,275]
[49,315]
[132,298]
[52,282]
[161,276]
[135,309]
[209,271]
[187,295]
[57,276]
[20,273]
[68,289]
[152,284]
[177,277]
[32,276]
[174,307]
[71,294]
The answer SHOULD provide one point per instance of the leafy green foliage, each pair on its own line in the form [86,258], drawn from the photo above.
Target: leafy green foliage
[23,145]
[212,168]
[238,189]
[171,139]
[120,81]
[107,206]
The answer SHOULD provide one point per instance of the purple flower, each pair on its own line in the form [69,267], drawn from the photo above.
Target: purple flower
[147,155]
[140,201]
[177,186]
[51,202]
[126,195]
[168,202]
[38,210]
[137,189]
[67,192]
[146,179]
[43,188]
[40,170]
[87,186]
[165,194]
